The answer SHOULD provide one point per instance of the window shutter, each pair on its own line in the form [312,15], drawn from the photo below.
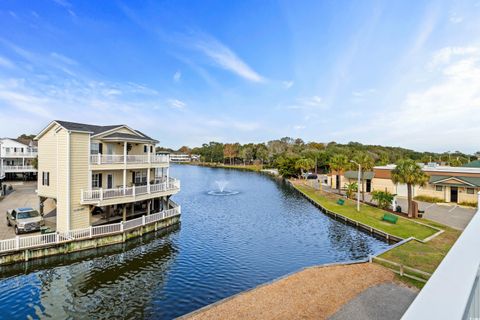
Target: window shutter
[100,148]
[99,180]
[133,177]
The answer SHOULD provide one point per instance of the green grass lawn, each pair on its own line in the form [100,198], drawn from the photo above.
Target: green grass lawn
[404,228]
[424,256]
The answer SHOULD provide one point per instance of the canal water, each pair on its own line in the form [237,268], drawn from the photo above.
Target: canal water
[225,244]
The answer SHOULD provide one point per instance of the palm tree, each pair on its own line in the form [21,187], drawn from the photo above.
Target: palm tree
[339,163]
[304,164]
[410,173]
[351,188]
[366,162]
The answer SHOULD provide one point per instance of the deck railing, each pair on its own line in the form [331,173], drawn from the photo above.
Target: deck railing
[104,194]
[18,168]
[13,154]
[129,159]
[453,291]
[43,240]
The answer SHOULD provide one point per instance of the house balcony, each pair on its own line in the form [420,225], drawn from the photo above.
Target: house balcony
[102,197]
[20,154]
[19,169]
[116,161]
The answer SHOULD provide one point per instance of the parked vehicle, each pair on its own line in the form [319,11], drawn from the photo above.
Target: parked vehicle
[24,220]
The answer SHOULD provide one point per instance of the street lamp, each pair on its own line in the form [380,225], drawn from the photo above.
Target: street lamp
[358,184]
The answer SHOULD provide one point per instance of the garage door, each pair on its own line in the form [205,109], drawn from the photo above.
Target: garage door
[402,190]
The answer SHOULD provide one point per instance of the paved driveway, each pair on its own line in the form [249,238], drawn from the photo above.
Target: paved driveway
[384,301]
[23,196]
[446,213]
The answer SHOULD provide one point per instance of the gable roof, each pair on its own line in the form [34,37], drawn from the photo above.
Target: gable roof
[472,164]
[462,180]
[367,175]
[92,129]
[121,135]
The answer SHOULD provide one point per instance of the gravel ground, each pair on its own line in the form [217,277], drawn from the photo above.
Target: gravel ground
[314,293]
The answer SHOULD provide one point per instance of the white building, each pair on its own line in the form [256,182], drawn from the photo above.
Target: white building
[16,159]
[183,157]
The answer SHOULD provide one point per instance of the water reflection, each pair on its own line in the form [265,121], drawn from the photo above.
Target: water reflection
[224,245]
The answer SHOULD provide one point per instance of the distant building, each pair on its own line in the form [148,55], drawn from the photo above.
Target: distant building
[183,157]
[16,159]
[451,184]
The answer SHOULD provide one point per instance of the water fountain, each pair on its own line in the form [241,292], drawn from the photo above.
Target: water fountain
[221,184]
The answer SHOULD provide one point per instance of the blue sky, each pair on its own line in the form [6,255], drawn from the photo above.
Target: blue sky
[403,73]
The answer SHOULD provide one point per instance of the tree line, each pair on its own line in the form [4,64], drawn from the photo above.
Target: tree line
[294,156]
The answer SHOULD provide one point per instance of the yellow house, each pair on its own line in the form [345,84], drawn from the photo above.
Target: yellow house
[449,184]
[99,174]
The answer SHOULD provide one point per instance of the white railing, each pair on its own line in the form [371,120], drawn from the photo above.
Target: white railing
[129,159]
[18,168]
[452,292]
[104,194]
[12,154]
[20,243]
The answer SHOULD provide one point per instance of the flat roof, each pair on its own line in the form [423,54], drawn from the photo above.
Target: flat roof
[430,168]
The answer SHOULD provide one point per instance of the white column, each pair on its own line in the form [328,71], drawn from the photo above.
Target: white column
[168,174]
[125,152]
[149,154]
[124,180]
[148,180]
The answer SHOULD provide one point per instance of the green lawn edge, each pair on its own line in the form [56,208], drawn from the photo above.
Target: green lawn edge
[368,215]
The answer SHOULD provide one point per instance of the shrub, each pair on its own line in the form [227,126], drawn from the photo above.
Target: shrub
[351,188]
[428,199]
[468,204]
[383,198]
[10,188]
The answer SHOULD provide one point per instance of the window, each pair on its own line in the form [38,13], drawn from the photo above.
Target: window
[140,177]
[151,149]
[438,188]
[110,148]
[94,148]
[45,178]
[470,191]
[96,180]
[145,149]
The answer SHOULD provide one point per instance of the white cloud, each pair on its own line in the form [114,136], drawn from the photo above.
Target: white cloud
[445,114]
[454,18]
[444,55]
[308,103]
[287,84]
[176,104]
[63,59]
[226,58]
[177,76]
[363,93]
[4,62]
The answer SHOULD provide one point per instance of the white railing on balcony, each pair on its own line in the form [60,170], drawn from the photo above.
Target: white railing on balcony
[452,292]
[13,154]
[43,240]
[129,159]
[18,168]
[104,194]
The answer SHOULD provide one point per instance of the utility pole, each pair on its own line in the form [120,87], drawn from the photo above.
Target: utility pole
[358,184]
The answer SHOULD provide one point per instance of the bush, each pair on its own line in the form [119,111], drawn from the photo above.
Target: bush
[383,198]
[428,199]
[10,188]
[468,204]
